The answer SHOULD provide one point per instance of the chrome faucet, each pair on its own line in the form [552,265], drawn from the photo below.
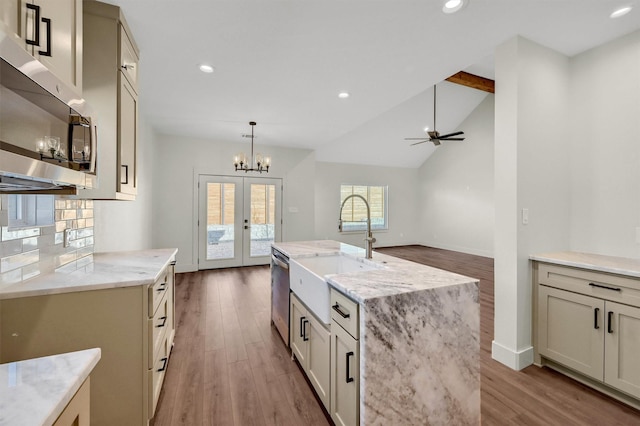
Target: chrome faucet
[369,240]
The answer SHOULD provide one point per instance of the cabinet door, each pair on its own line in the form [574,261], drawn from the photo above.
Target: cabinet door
[345,377]
[127,137]
[318,357]
[298,330]
[60,48]
[571,330]
[622,346]
[13,14]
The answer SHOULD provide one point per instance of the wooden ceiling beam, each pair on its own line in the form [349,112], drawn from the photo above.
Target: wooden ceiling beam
[473,81]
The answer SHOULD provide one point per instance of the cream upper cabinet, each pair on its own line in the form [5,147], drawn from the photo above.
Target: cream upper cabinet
[51,31]
[310,342]
[589,322]
[110,75]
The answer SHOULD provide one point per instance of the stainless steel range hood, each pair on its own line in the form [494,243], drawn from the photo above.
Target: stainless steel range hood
[36,106]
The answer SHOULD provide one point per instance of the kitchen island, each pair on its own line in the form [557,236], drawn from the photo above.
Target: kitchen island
[39,391]
[419,339]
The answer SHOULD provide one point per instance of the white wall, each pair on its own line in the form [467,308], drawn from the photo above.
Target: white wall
[178,161]
[402,184]
[455,190]
[605,127]
[532,159]
[127,225]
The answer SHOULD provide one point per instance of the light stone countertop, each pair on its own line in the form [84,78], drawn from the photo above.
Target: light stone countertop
[397,276]
[108,270]
[594,262]
[36,391]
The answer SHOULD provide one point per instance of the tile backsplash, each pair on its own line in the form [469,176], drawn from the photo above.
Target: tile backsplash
[28,252]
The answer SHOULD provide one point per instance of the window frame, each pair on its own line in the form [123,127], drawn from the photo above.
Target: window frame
[361,226]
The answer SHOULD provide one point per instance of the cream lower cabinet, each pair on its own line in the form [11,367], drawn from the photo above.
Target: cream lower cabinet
[345,360]
[580,327]
[133,326]
[310,342]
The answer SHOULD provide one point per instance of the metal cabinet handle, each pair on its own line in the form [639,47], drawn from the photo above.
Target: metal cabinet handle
[348,378]
[301,321]
[126,175]
[162,287]
[610,321]
[47,52]
[36,39]
[336,308]
[605,287]
[127,66]
[304,331]
[164,364]
[164,321]
[596,311]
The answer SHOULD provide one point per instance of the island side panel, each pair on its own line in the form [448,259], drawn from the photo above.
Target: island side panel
[421,358]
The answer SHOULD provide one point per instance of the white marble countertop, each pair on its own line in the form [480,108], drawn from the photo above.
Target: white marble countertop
[397,276]
[595,262]
[34,392]
[108,270]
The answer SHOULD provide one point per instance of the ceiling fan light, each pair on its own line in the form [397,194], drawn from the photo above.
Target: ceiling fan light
[620,12]
[452,6]
[206,68]
[343,95]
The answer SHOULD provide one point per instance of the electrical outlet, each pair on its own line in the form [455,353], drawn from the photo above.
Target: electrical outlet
[525,216]
[67,238]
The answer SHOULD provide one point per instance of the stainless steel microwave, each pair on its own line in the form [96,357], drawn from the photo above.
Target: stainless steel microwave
[48,137]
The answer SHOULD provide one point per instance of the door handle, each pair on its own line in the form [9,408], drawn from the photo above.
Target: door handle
[126,175]
[164,321]
[304,330]
[164,364]
[609,322]
[47,52]
[301,325]
[348,378]
[36,11]
[596,311]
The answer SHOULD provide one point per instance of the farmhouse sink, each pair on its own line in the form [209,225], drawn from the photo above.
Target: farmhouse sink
[308,280]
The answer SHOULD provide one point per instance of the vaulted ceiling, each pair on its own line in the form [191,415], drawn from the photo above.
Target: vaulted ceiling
[283,63]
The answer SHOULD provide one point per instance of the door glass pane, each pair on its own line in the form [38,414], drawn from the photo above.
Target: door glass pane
[220,224]
[263,212]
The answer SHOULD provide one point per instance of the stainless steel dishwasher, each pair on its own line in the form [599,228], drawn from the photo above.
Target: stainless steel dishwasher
[280,293]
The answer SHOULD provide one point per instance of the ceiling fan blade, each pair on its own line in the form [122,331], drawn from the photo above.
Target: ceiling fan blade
[422,141]
[436,142]
[451,139]
[451,134]
[416,139]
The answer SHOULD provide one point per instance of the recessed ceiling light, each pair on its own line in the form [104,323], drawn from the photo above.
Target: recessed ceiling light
[452,6]
[206,68]
[620,12]
[343,95]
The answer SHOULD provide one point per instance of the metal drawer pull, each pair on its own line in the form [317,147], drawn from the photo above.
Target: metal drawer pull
[164,321]
[36,25]
[336,308]
[164,364]
[163,286]
[610,321]
[596,311]
[128,66]
[349,378]
[301,321]
[126,175]
[605,287]
[304,330]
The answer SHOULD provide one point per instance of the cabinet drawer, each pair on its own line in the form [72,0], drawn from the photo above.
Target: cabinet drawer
[156,375]
[128,59]
[158,291]
[158,326]
[597,284]
[345,312]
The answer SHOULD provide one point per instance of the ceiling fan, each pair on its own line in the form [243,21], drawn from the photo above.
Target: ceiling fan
[434,135]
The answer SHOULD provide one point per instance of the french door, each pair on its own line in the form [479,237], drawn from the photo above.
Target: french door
[238,219]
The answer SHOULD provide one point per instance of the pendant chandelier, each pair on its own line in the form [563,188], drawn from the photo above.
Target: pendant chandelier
[261,163]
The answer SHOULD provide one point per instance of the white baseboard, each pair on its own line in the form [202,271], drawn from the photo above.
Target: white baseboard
[516,360]
[186,268]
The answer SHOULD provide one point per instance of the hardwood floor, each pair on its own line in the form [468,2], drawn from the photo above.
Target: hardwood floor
[230,367]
